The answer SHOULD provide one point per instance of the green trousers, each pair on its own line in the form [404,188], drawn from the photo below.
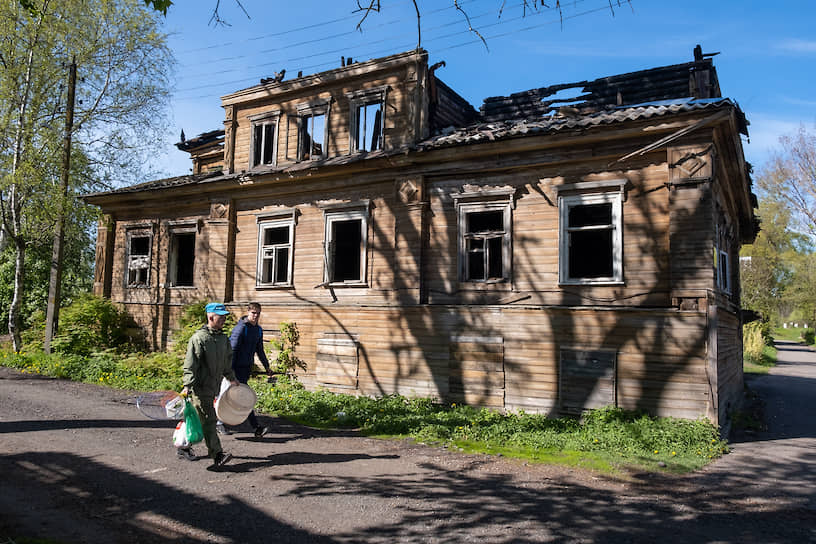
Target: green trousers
[206,412]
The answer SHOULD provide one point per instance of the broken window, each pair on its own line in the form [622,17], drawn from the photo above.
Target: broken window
[264,136]
[346,246]
[369,126]
[181,259]
[590,234]
[275,252]
[138,258]
[485,241]
[312,142]
[366,120]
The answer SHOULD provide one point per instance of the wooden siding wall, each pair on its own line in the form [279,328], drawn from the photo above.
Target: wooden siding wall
[398,130]
[729,364]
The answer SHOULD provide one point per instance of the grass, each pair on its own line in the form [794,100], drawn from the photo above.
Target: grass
[608,439]
[761,366]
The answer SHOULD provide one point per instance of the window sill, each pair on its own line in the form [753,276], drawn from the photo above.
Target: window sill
[269,286]
[592,283]
[181,287]
[347,284]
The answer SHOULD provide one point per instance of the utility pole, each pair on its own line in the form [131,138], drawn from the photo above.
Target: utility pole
[54,285]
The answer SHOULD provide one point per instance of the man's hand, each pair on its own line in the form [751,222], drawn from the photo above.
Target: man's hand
[236,383]
[185,391]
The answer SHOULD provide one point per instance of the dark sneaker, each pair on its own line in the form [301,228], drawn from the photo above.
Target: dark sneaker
[221,459]
[186,453]
[222,429]
[261,431]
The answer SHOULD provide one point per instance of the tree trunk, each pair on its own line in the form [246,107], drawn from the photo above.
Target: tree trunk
[17,298]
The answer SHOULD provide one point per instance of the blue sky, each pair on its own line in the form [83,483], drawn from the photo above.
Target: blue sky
[767,60]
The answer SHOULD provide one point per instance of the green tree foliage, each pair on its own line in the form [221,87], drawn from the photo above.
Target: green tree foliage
[122,64]
[791,177]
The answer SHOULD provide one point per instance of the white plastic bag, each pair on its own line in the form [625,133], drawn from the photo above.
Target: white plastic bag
[180,435]
[174,408]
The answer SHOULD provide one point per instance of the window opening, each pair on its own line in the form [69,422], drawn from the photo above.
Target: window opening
[138,266]
[591,238]
[182,259]
[369,126]
[312,133]
[275,254]
[484,239]
[263,143]
[346,246]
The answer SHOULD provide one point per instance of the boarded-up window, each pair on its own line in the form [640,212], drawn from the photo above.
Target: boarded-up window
[476,373]
[337,362]
[587,380]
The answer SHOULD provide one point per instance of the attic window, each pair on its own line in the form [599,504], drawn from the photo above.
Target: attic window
[263,151]
[366,122]
[138,258]
[312,133]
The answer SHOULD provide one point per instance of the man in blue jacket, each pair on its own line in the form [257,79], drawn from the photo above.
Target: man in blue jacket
[247,341]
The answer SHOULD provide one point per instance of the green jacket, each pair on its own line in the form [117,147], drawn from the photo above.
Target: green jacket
[208,359]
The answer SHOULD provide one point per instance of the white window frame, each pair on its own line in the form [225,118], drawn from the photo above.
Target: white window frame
[723,271]
[337,216]
[306,114]
[264,121]
[464,210]
[358,100]
[565,203]
[263,251]
[130,260]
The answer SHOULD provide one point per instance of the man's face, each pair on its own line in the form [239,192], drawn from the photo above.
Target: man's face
[253,316]
[215,321]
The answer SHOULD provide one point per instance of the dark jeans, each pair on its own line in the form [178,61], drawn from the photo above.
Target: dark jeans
[242,374]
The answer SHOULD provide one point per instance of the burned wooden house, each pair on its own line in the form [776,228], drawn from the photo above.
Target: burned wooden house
[538,254]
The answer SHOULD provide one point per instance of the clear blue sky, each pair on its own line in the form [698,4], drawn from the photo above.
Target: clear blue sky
[767,60]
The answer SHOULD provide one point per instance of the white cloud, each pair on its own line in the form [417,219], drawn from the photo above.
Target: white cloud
[798,46]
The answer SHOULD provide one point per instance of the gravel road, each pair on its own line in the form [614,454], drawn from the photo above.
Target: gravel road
[79,464]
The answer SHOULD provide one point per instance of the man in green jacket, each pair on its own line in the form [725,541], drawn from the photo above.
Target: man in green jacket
[208,359]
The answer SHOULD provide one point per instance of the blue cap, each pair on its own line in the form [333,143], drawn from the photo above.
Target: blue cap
[216,308]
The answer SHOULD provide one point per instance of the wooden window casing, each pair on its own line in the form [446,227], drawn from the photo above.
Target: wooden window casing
[264,145]
[275,252]
[590,238]
[139,258]
[181,257]
[346,246]
[485,240]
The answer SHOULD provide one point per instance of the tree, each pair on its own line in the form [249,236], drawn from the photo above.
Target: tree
[791,178]
[123,62]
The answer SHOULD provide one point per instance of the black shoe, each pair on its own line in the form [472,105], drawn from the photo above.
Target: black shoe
[186,453]
[221,459]
[260,431]
[222,429]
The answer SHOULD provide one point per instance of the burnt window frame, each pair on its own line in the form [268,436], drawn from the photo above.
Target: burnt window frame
[362,99]
[465,237]
[269,120]
[286,220]
[305,113]
[566,202]
[138,232]
[174,232]
[347,213]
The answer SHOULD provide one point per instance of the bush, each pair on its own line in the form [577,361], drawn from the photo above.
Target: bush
[92,324]
[193,317]
[753,341]
[808,336]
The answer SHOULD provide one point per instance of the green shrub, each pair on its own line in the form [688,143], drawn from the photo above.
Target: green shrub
[91,324]
[193,317]
[286,361]
[808,336]
[753,342]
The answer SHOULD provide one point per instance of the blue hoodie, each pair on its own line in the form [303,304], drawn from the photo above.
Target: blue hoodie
[246,340]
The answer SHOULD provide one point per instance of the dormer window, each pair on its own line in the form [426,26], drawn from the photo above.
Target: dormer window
[366,121]
[264,139]
[312,133]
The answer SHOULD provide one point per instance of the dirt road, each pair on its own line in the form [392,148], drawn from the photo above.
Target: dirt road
[79,464]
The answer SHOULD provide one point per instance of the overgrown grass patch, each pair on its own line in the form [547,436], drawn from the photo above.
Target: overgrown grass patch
[605,439]
[761,365]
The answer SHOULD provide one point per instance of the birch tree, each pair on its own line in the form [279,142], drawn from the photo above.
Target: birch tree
[123,65]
